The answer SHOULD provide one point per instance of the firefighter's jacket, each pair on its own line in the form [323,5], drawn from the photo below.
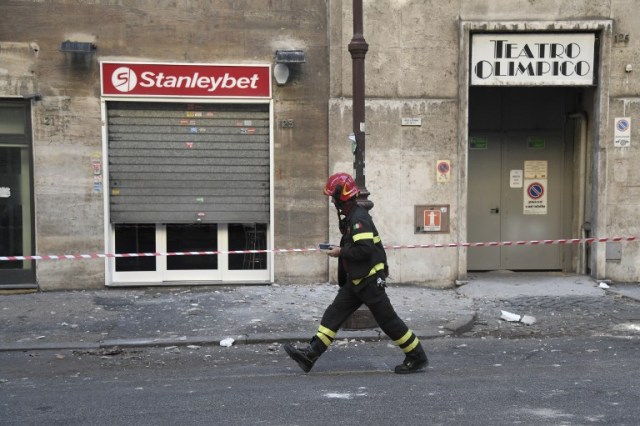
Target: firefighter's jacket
[362,254]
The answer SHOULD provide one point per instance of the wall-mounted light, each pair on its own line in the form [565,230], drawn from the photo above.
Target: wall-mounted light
[78,47]
[286,60]
[78,51]
[281,73]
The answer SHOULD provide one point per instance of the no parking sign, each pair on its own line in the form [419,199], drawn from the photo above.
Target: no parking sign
[535,196]
[622,132]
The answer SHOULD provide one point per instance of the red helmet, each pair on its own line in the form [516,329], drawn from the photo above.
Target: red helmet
[341,187]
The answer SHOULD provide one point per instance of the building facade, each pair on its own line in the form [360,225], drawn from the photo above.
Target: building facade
[177,127]
[118,153]
[489,113]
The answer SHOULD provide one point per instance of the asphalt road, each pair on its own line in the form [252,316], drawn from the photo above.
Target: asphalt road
[471,381]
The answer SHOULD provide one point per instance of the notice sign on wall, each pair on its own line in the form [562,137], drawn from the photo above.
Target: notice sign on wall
[443,171]
[535,169]
[622,132]
[512,59]
[432,219]
[515,179]
[535,196]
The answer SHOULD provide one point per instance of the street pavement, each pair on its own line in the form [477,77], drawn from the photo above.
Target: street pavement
[560,304]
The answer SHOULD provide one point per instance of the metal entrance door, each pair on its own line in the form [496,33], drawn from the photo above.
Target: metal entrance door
[516,187]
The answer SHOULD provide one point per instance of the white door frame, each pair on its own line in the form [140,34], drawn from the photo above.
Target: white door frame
[163,276]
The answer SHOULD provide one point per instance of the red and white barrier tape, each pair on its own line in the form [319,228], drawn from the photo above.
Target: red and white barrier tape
[389,247]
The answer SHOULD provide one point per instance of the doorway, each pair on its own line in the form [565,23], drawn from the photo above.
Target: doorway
[189,177]
[521,179]
[16,194]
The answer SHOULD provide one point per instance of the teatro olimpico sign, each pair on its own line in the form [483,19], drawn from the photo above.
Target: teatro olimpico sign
[533,59]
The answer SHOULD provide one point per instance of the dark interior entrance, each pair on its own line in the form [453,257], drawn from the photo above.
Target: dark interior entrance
[16,194]
[522,176]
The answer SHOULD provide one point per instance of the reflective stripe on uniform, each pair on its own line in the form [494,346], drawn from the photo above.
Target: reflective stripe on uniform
[412,346]
[367,236]
[409,337]
[363,236]
[326,335]
[404,338]
[373,271]
[324,338]
[325,330]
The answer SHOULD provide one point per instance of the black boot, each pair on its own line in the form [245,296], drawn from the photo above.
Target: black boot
[305,357]
[415,361]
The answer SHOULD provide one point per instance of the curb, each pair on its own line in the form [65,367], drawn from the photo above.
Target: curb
[53,346]
[453,328]
[622,294]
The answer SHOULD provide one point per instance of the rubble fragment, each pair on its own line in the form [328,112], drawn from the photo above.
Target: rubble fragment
[511,317]
[227,343]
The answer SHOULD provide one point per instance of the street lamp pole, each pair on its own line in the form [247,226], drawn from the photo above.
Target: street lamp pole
[358,48]
[362,318]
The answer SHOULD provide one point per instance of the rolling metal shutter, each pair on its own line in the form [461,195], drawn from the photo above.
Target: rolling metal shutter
[186,163]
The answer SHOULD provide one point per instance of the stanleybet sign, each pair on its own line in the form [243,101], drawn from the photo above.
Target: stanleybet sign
[185,80]
[512,59]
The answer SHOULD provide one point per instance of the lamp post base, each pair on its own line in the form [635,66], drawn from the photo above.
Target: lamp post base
[361,319]
[363,199]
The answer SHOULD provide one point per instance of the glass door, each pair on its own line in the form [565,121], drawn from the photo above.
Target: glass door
[16,206]
[186,238]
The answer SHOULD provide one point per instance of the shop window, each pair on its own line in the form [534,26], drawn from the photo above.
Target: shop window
[135,238]
[192,237]
[247,237]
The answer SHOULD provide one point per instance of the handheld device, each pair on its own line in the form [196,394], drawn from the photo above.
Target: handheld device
[325,246]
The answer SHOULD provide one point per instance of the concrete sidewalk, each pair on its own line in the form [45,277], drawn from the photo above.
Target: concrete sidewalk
[206,315]
[253,314]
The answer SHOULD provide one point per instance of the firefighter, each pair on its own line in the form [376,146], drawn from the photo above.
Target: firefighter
[362,273]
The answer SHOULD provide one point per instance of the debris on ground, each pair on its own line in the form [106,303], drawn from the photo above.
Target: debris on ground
[511,317]
[227,343]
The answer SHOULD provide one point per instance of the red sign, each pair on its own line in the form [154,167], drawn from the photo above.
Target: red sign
[185,80]
[432,220]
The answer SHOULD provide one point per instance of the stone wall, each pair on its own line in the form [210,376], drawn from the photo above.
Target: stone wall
[67,124]
[416,67]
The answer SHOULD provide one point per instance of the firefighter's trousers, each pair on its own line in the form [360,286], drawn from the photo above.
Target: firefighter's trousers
[349,298]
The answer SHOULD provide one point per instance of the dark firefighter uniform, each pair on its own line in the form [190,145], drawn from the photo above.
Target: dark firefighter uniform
[362,271]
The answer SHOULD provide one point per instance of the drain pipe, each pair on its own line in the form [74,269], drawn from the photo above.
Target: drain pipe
[585,227]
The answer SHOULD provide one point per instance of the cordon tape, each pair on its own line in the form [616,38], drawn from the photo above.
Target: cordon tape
[304,250]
